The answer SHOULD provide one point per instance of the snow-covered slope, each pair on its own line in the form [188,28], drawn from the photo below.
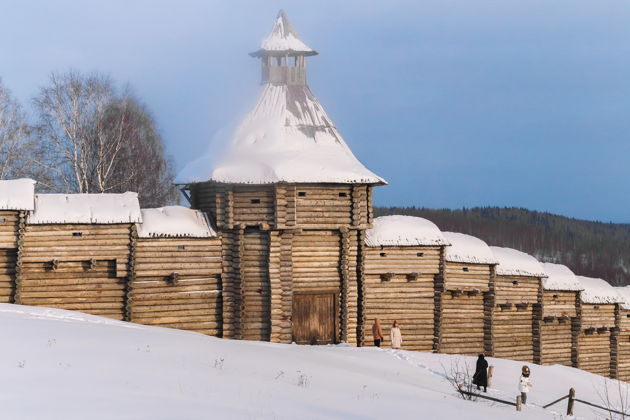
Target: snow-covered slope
[66,365]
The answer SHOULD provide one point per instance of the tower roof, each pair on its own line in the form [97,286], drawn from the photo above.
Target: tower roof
[287,137]
[283,40]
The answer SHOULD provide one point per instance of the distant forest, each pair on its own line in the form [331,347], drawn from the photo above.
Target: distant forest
[592,249]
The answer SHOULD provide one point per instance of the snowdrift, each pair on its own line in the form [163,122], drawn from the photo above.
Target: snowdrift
[67,365]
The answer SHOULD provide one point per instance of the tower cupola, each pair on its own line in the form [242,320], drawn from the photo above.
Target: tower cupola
[283,54]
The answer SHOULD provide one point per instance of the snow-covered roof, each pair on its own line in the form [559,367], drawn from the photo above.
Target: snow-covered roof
[598,291]
[403,231]
[467,249]
[624,293]
[85,208]
[17,194]
[283,39]
[288,137]
[513,262]
[560,277]
[174,222]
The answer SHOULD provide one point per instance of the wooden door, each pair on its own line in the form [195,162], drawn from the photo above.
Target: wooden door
[314,318]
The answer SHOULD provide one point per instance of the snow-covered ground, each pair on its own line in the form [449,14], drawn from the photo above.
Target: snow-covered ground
[66,365]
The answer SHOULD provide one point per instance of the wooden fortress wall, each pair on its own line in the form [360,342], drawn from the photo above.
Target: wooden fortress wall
[514,319]
[11,223]
[399,285]
[81,267]
[623,350]
[290,264]
[104,269]
[465,303]
[176,283]
[597,350]
[559,329]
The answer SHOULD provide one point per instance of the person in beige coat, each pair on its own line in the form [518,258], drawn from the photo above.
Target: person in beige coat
[395,336]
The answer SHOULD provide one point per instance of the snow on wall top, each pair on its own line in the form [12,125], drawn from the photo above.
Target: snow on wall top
[85,208]
[288,137]
[174,222]
[513,262]
[560,277]
[467,249]
[403,231]
[283,39]
[17,194]
[598,291]
[624,293]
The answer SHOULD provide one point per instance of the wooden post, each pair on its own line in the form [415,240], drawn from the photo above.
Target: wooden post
[519,403]
[490,374]
[571,402]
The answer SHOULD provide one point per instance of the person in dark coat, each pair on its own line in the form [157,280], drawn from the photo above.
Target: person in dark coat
[480,378]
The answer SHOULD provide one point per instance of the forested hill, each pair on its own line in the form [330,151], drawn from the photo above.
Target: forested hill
[592,249]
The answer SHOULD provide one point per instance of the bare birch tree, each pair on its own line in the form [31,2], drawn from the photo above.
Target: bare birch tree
[15,145]
[141,163]
[94,139]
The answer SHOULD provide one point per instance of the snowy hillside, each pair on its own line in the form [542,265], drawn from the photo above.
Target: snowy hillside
[66,365]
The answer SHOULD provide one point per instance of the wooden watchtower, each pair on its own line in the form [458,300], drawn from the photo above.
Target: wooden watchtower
[291,203]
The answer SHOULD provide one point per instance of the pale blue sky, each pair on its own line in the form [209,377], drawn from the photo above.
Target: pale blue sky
[455,103]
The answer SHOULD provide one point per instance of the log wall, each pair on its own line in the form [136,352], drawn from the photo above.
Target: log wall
[623,352]
[595,350]
[76,267]
[253,205]
[176,283]
[399,285]
[463,309]
[9,228]
[285,206]
[557,336]
[513,323]
[255,286]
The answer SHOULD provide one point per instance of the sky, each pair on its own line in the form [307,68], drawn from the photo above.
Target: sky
[456,103]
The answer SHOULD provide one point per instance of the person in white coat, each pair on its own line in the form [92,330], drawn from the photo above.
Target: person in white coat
[395,336]
[524,384]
